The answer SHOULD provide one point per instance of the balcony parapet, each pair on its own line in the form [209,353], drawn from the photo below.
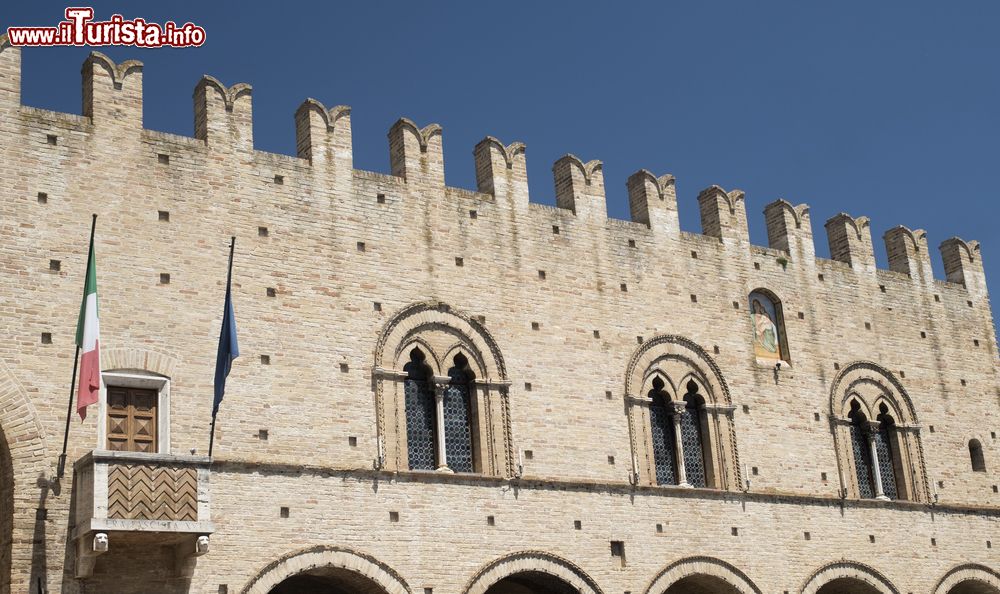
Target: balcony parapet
[138,499]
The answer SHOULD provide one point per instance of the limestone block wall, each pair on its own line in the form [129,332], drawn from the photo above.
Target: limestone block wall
[342,251]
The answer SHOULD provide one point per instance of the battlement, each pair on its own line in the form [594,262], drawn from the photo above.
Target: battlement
[223,122]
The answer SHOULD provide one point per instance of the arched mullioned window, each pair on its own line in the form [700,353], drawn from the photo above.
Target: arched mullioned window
[976,456]
[680,417]
[691,436]
[876,436]
[441,394]
[862,452]
[458,416]
[887,458]
[421,440]
[768,327]
[662,434]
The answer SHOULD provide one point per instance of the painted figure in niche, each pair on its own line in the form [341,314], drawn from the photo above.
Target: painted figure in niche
[766,335]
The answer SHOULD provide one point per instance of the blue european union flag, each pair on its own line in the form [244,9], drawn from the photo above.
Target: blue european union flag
[228,349]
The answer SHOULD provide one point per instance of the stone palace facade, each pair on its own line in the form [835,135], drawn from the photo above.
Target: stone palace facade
[446,391]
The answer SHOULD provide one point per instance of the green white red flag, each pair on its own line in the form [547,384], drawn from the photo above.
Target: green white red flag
[88,331]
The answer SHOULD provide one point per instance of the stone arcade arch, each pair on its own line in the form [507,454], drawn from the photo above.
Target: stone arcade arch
[326,570]
[970,578]
[531,572]
[24,471]
[848,577]
[700,575]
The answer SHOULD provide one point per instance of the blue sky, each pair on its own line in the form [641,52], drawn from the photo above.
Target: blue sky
[889,110]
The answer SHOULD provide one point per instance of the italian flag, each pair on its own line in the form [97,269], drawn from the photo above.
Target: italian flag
[88,332]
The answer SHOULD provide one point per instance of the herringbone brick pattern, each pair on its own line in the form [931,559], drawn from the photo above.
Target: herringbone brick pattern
[150,492]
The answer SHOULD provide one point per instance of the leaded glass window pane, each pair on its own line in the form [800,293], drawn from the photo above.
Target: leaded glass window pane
[694,463]
[883,449]
[664,454]
[862,462]
[419,425]
[457,430]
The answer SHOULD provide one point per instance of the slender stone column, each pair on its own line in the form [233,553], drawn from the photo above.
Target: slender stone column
[442,455]
[679,444]
[873,427]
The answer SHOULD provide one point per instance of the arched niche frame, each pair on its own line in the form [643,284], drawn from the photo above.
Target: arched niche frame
[878,395]
[443,337]
[680,365]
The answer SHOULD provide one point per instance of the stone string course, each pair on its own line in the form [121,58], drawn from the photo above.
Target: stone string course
[321,328]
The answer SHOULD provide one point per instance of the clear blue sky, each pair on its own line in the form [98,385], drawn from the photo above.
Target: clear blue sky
[890,110]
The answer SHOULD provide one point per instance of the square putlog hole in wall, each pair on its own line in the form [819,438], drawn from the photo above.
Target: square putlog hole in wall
[284,512]
[623,287]
[52,139]
[631,243]
[380,198]
[529,454]
[473,214]
[734,531]
[607,394]
[491,521]
[459,262]
[46,338]
[361,246]
[43,198]
[541,275]
[694,299]
[265,359]
[272,292]
[55,265]
[577,525]
[279,180]
[344,368]
[263,232]
[394,516]
[555,229]
[352,441]
[163,159]
[611,460]
[535,326]
[164,278]
[163,216]
[262,434]
[618,552]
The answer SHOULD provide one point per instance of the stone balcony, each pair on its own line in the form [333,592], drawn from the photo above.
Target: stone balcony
[140,499]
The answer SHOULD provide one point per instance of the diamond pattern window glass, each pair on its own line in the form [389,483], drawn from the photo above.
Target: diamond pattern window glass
[457,430]
[883,448]
[664,454]
[862,461]
[132,419]
[419,424]
[691,440]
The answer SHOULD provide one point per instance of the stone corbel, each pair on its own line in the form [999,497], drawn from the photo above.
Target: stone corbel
[186,555]
[87,550]
[390,374]
[726,409]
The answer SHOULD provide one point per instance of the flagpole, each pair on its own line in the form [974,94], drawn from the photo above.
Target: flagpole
[76,358]
[229,280]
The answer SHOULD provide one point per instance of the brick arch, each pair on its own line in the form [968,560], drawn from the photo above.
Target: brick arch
[532,562]
[988,579]
[156,362]
[701,566]
[666,345]
[850,570]
[411,320]
[24,459]
[326,558]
